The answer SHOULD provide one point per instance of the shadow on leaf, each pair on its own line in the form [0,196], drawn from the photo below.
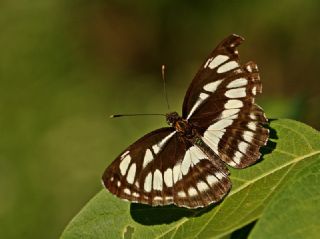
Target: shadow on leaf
[271,145]
[148,215]
[243,233]
[273,132]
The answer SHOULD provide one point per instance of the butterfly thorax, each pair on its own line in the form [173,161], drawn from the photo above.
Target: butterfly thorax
[181,125]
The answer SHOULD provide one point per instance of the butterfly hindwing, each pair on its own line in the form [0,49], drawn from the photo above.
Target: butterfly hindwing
[163,168]
[237,141]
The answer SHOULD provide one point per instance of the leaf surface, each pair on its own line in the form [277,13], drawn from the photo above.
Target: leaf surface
[294,212]
[292,146]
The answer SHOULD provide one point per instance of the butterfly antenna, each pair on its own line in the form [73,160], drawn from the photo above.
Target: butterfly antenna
[121,115]
[165,95]
[164,85]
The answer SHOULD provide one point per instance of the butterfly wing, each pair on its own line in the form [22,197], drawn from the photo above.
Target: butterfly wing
[220,104]
[164,168]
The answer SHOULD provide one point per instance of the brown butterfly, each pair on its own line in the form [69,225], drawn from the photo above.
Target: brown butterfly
[185,164]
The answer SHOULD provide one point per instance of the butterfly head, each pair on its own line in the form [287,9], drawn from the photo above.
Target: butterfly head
[172,118]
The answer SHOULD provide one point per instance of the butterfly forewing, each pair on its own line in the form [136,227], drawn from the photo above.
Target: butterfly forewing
[163,168]
[223,59]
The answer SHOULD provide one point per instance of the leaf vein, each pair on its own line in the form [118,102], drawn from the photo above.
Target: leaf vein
[298,133]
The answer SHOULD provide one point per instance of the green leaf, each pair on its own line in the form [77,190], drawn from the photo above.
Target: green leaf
[292,146]
[294,211]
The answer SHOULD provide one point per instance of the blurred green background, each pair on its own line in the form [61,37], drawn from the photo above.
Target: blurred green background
[66,65]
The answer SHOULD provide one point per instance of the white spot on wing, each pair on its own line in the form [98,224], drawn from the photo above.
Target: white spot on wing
[186,163]
[197,154]
[195,160]
[254,90]
[252,116]
[218,60]
[231,163]
[168,198]
[203,96]
[157,198]
[157,180]
[135,194]
[164,141]
[212,180]
[237,83]
[192,192]
[177,175]
[167,176]
[182,194]
[124,164]
[131,173]
[202,186]
[192,156]
[248,136]
[243,146]
[207,63]
[195,106]
[124,154]
[236,93]
[219,175]
[221,124]
[233,104]
[252,126]
[212,139]
[212,87]
[237,157]
[228,113]
[127,191]
[157,147]
[148,182]
[148,157]
[227,66]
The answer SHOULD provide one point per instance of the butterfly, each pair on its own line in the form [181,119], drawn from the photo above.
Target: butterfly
[186,163]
